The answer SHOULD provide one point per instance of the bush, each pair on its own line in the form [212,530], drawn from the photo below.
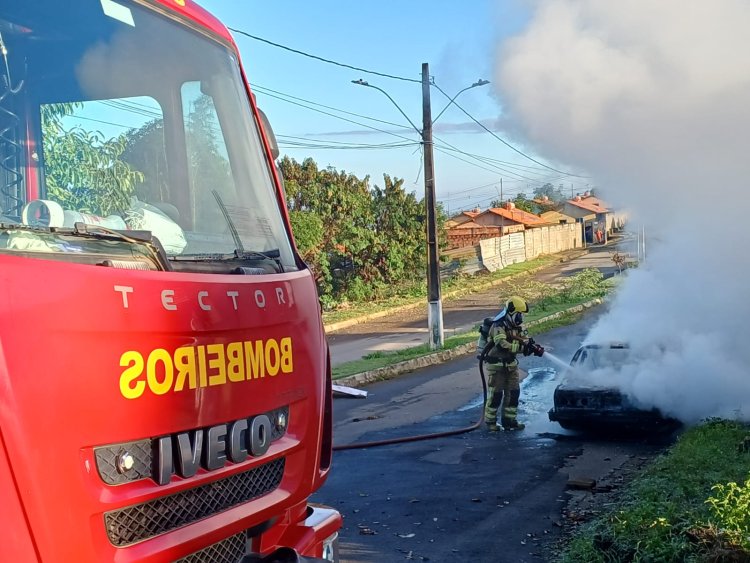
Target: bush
[730,510]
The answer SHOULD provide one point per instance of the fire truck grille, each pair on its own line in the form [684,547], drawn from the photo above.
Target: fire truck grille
[141,452]
[230,550]
[143,521]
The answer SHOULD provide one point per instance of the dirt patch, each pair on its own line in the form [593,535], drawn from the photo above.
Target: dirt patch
[597,476]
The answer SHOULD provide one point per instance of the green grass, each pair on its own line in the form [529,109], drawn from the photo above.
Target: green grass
[455,287]
[566,319]
[382,359]
[664,514]
[559,298]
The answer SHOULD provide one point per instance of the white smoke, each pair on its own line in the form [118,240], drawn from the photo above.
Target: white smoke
[653,99]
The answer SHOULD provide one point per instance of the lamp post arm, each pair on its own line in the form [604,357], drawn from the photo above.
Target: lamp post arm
[477,83]
[365,83]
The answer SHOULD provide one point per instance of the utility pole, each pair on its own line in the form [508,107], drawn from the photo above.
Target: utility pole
[435,304]
[643,242]
[502,204]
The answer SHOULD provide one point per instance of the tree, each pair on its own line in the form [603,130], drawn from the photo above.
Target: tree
[84,170]
[144,151]
[358,241]
[341,202]
[399,248]
[524,204]
[553,194]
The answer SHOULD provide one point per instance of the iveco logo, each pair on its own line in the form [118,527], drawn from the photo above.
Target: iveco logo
[210,448]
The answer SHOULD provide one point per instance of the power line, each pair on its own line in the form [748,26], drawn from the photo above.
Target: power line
[506,143]
[421,164]
[386,75]
[100,121]
[522,167]
[444,151]
[261,89]
[494,163]
[329,61]
[484,160]
[337,116]
[298,145]
[345,144]
[470,189]
[475,157]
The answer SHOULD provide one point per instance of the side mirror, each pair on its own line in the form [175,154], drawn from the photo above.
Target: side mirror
[269,134]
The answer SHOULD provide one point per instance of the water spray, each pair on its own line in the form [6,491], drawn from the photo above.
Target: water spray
[561,363]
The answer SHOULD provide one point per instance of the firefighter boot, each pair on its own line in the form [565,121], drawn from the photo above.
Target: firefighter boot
[493,427]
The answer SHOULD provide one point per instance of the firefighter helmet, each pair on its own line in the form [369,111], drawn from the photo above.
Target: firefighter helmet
[514,308]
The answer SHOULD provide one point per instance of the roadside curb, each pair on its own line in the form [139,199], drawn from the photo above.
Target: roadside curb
[334,327]
[388,372]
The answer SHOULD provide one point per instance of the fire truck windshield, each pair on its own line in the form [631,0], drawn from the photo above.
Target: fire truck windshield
[118,115]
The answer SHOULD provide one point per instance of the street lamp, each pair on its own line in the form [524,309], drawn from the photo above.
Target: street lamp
[434,302]
[480,82]
[361,82]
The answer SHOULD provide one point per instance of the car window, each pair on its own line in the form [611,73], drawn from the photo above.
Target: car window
[594,357]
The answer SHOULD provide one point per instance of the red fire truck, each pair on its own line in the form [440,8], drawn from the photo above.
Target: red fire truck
[165,390]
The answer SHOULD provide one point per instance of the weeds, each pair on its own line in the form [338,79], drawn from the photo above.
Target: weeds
[670,514]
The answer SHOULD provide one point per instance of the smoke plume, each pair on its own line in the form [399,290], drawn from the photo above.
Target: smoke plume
[653,100]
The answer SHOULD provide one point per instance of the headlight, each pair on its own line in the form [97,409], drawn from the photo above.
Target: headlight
[331,548]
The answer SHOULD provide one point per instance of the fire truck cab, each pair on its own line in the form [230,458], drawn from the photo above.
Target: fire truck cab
[165,390]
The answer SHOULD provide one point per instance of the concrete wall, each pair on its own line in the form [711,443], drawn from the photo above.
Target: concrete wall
[549,240]
[499,252]
[464,235]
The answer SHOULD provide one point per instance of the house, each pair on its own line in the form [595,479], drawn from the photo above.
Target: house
[461,218]
[509,218]
[469,233]
[557,218]
[593,214]
[470,227]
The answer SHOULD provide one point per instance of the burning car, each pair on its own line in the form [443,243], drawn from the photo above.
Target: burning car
[582,404]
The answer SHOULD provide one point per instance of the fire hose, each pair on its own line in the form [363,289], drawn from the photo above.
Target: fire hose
[420,437]
[529,348]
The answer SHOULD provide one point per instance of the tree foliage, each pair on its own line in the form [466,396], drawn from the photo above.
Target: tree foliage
[519,201]
[144,150]
[85,170]
[358,240]
[554,194]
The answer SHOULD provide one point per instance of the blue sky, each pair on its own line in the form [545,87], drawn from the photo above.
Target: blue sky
[458,39]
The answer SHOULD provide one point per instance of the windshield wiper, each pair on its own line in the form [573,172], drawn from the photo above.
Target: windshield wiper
[145,239]
[139,238]
[239,251]
[273,256]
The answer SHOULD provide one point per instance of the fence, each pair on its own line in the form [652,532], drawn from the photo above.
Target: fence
[499,252]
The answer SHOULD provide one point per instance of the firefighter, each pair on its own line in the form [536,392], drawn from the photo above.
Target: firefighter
[508,337]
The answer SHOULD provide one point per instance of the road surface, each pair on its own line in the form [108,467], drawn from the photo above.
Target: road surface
[476,497]
[409,328]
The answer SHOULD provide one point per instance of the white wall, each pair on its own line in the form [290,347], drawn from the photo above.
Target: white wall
[499,252]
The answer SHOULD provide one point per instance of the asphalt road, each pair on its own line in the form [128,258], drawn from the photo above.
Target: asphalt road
[406,329]
[475,497]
